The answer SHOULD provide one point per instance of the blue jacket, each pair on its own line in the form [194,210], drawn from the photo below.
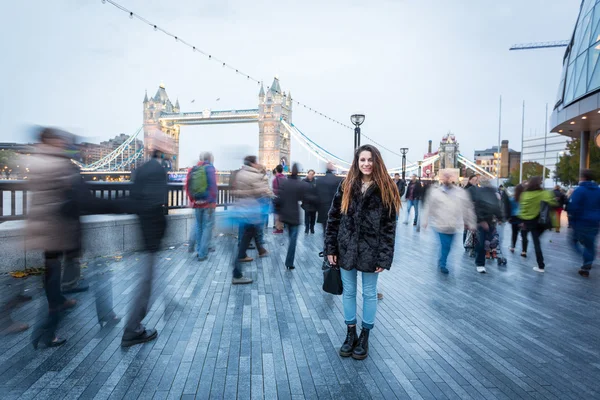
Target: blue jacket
[584,206]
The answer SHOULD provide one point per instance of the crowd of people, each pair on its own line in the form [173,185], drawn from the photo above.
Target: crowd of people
[358,214]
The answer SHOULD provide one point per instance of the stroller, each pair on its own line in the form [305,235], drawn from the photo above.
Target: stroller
[492,244]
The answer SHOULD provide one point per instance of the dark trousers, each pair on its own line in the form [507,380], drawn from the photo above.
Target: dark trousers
[516,228]
[291,253]
[482,236]
[52,279]
[310,217]
[586,237]
[71,269]
[536,232]
[249,231]
[153,225]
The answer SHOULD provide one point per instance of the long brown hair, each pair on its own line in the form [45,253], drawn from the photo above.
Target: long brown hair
[534,184]
[389,191]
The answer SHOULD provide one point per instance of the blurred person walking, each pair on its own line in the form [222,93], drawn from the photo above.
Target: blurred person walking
[400,184]
[201,185]
[326,188]
[360,236]
[448,209]
[292,191]
[470,187]
[516,222]
[487,212]
[250,186]
[584,217]
[51,181]
[310,207]
[561,201]
[413,195]
[529,213]
[148,198]
[277,180]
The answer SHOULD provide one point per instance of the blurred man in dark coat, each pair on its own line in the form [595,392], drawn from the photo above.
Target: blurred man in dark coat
[148,197]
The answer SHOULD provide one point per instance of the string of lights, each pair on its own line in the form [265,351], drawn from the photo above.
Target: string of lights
[238,71]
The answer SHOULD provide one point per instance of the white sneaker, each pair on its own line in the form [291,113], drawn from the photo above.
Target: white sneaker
[481,270]
[538,269]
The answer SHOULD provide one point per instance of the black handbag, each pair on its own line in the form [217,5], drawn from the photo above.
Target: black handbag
[545,218]
[332,278]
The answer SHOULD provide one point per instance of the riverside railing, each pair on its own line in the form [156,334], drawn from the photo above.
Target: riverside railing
[15,196]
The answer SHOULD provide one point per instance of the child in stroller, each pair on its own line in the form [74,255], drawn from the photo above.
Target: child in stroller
[492,243]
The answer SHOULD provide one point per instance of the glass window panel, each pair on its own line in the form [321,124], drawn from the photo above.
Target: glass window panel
[594,73]
[587,6]
[581,84]
[580,29]
[593,55]
[569,90]
[585,38]
[561,87]
[595,25]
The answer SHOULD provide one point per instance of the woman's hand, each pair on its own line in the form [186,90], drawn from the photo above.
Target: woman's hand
[378,270]
[332,260]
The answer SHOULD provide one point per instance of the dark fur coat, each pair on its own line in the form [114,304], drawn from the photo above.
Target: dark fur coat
[363,239]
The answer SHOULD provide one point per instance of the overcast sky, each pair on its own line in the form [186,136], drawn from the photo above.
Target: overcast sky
[416,68]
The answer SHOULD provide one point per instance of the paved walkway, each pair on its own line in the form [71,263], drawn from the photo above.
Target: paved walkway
[511,333]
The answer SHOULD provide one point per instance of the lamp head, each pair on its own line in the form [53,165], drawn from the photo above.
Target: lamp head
[357,119]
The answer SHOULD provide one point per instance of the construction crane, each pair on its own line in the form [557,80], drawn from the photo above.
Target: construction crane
[540,45]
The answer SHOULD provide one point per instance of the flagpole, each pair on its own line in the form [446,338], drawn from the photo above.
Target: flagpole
[522,144]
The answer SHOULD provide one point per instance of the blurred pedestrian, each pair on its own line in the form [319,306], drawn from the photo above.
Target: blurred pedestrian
[413,195]
[561,200]
[487,212]
[470,187]
[291,192]
[516,222]
[250,186]
[310,207]
[277,180]
[148,197]
[12,297]
[202,190]
[584,217]
[51,180]
[448,209]
[326,188]
[400,184]
[529,213]
[360,236]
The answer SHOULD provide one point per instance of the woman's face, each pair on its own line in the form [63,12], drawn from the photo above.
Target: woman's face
[365,162]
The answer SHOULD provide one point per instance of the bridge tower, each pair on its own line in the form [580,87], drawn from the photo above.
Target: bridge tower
[153,107]
[448,151]
[274,142]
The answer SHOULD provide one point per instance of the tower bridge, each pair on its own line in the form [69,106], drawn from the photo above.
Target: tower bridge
[274,108]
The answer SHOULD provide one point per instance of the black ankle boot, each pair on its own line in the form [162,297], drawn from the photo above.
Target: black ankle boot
[361,351]
[349,343]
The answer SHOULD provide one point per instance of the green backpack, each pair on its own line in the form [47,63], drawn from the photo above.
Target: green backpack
[198,185]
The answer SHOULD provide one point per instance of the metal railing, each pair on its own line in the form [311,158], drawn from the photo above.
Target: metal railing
[14,196]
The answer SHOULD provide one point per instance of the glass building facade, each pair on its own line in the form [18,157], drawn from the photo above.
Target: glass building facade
[581,66]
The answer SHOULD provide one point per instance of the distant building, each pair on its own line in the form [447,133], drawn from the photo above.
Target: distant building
[488,159]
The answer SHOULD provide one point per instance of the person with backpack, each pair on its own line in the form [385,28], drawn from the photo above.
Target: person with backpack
[201,184]
[279,177]
[584,217]
[530,212]
[487,211]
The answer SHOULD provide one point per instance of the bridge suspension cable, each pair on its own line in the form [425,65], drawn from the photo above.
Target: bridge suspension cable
[105,161]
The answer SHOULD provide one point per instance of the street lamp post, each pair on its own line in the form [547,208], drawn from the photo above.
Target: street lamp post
[420,164]
[357,120]
[404,150]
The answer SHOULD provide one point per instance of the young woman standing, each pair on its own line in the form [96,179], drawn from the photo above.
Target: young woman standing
[360,236]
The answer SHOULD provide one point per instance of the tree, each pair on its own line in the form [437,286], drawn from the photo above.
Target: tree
[530,169]
[567,168]
[8,162]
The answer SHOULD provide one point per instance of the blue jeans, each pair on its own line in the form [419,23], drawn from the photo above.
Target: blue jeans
[583,241]
[291,253]
[369,294]
[205,220]
[445,246]
[415,204]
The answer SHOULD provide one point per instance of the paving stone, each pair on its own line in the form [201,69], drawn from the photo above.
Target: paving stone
[511,333]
